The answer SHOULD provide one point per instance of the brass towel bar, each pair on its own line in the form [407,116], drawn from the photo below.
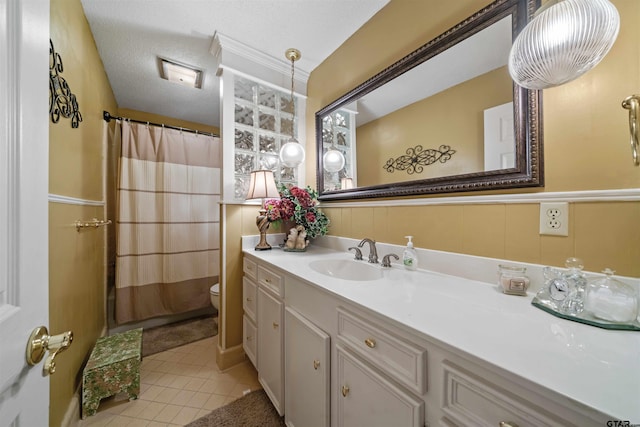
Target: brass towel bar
[95,223]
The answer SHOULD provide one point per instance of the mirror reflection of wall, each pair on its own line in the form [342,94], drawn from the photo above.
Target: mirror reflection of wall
[454,117]
[446,117]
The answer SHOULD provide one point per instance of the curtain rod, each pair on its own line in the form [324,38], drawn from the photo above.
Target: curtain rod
[107,118]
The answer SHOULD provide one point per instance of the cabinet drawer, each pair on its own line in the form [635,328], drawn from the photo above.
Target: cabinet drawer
[271,281]
[403,360]
[472,400]
[249,297]
[249,339]
[250,268]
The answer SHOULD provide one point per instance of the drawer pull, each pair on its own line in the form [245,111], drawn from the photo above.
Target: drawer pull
[507,424]
[249,299]
[275,325]
[267,280]
[249,338]
[370,342]
[316,364]
[345,391]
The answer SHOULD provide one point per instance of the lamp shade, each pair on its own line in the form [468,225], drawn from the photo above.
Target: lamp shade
[333,160]
[562,42]
[262,185]
[292,153]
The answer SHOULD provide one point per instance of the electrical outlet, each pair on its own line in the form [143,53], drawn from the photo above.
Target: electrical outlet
[554,219]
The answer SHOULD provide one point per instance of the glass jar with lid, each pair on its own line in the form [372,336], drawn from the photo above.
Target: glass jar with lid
[609,299]
[513,279]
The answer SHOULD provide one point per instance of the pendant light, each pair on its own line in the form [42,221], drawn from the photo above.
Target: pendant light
[333,160]
[292,153]
[565,39]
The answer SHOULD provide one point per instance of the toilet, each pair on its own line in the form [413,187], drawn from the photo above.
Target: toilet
[214,292]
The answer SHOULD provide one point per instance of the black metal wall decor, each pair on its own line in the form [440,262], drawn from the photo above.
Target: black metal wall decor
[61,101]
[418,157]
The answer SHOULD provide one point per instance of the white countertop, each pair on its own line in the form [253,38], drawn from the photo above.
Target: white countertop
[596,367]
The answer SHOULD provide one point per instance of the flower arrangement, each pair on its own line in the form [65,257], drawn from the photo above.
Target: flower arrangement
[299,205]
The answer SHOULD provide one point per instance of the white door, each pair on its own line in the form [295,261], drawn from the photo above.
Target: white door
[24,161]
[499,140]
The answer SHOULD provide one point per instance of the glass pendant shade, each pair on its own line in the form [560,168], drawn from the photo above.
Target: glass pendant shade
[333,160]
[562,42]
[292,153]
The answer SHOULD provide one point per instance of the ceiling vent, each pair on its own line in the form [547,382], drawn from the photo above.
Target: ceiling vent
[176,72]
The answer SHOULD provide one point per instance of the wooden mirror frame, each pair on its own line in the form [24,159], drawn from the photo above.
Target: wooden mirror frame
[528,170]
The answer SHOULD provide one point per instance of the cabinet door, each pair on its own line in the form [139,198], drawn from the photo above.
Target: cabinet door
[307,355]
[249,339]
[270,343]
[367,399]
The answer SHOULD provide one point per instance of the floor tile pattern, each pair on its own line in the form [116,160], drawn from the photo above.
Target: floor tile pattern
[177,386]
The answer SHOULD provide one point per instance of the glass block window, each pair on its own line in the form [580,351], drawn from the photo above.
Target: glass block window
[337,130]
[264,121]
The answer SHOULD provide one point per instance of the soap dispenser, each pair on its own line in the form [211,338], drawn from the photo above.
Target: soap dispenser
[410,256]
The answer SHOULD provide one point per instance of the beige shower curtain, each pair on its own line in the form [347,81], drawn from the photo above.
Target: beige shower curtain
[168,222]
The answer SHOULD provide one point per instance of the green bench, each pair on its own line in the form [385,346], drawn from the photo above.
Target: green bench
[113,367]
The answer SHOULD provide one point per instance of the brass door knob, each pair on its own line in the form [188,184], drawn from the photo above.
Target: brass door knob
[370,342]
[507,424]
[275,325]
[40,342]
[316,364]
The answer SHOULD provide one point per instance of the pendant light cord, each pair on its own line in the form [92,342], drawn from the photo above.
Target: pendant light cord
[293,103]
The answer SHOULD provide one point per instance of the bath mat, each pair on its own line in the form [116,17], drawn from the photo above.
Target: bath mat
[161,338]
[253,410]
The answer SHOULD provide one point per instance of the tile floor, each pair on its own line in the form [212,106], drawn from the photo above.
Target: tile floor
[177,387]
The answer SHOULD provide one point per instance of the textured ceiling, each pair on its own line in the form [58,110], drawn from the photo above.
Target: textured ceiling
[132,34]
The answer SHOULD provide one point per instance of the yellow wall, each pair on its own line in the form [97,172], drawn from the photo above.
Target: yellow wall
[454,117]
[76,259]
[585,142]
[585,148]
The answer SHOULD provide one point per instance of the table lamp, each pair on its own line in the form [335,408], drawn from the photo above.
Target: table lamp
[262,185]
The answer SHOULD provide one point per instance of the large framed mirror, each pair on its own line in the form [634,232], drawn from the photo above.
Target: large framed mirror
[445,118]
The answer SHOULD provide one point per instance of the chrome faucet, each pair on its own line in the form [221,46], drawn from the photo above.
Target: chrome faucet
[386,262]
[358,256]
[373,252]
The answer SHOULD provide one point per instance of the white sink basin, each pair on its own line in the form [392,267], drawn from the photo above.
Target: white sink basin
[346,269]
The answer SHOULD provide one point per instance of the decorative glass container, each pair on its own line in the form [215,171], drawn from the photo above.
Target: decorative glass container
[513,279]
[609,299]
[577,282]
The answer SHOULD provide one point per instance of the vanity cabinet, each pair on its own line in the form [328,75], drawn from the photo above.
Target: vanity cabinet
[249,300]
[270,355]
[380,376]
[307,372]
[263,326]
[325,360]
[249,330]
[367,398]
[270,325]
[471,399]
